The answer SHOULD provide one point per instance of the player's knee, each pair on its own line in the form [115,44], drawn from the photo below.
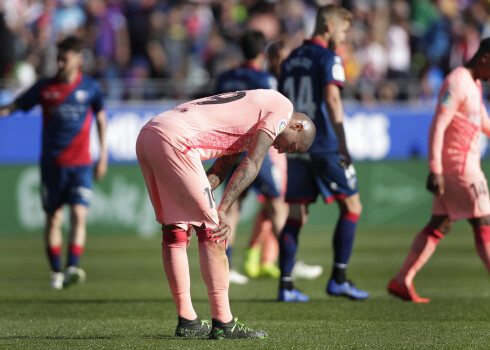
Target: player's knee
[173,234]
[204,235]
[483,221]
[55,219]
[351,204]
[437,232]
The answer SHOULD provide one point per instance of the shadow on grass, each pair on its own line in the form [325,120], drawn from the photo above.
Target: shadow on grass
[101,337]
[126,301]
[169,337]
[86,301]
[60,337]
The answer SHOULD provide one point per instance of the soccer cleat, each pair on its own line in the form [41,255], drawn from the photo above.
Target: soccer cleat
[234,330]
[74,275]
[192,329]
[252,262]
[292,295]
[56,280]
[304,271]
[269,270]
[237,278]
[406,293]
[346,289]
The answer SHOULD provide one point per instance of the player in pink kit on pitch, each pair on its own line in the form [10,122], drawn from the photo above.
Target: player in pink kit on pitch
[170,148]
[456,179]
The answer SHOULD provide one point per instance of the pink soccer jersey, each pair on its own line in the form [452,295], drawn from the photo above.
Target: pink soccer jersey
[455,130]
[453,148]
[223,124]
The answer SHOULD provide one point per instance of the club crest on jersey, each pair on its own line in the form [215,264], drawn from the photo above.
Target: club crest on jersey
[338,72]
[81,96]
[282,126]
[447,98]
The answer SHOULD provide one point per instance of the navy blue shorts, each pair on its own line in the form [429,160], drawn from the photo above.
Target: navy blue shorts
[311,175]
[65,185]
[268,181]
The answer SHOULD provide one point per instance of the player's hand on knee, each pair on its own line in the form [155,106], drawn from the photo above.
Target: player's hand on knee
[223,231]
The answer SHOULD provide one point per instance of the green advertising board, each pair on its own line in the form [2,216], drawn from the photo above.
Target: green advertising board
[393,193]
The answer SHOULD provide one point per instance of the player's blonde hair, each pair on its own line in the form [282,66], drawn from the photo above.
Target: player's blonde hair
[329,13]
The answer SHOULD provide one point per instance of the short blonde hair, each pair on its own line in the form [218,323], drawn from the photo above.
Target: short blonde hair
[328,14]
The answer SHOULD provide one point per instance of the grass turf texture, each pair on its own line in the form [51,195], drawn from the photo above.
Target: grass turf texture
[126,302]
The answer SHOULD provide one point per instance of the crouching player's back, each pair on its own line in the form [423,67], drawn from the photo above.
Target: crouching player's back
[170,148]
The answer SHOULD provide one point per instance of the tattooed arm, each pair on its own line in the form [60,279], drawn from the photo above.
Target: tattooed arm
[242,177]
[220,168]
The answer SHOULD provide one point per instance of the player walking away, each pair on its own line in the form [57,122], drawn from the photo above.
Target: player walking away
[68,101]
[455,178]
[170,148]
[311,77]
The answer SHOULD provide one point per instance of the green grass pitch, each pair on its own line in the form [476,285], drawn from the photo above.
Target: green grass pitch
[126,303]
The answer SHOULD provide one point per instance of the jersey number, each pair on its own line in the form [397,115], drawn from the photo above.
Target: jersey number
[210,194]
[302,99]
[218,99]
[478,190]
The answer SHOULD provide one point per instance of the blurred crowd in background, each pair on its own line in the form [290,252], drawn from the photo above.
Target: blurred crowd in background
[153,49]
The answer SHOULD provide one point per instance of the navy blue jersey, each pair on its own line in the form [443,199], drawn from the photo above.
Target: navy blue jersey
[244,77]
[67,116]
[304,74]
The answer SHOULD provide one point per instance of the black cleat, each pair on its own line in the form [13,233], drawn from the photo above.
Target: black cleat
[192,329]
[234,330]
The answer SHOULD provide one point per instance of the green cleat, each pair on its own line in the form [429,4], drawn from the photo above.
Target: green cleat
[234,330]
[192,329]
[252,262]
[269,270]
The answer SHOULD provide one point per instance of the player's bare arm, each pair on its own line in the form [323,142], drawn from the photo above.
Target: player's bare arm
[101,166]
[8,109]
[335,111]
[242,177]
[219,170]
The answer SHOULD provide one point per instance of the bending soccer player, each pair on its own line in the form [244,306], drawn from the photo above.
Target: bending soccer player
[312,77]
[170,148]
[459,186]
[68,101]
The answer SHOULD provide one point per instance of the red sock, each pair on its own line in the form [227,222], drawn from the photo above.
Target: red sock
[261,225]
[482,243]
[214,271]
[74,254]
[176,265]
[54,257]
[423,247]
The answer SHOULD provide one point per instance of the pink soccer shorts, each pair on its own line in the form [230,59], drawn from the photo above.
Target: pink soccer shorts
[177,183]
[464,197]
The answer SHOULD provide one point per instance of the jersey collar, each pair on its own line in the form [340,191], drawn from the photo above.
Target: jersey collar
[250,65]
[316,42]
[75,82]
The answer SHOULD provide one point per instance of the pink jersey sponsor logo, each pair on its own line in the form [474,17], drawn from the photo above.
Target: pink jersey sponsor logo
[447,98]
[282,126]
